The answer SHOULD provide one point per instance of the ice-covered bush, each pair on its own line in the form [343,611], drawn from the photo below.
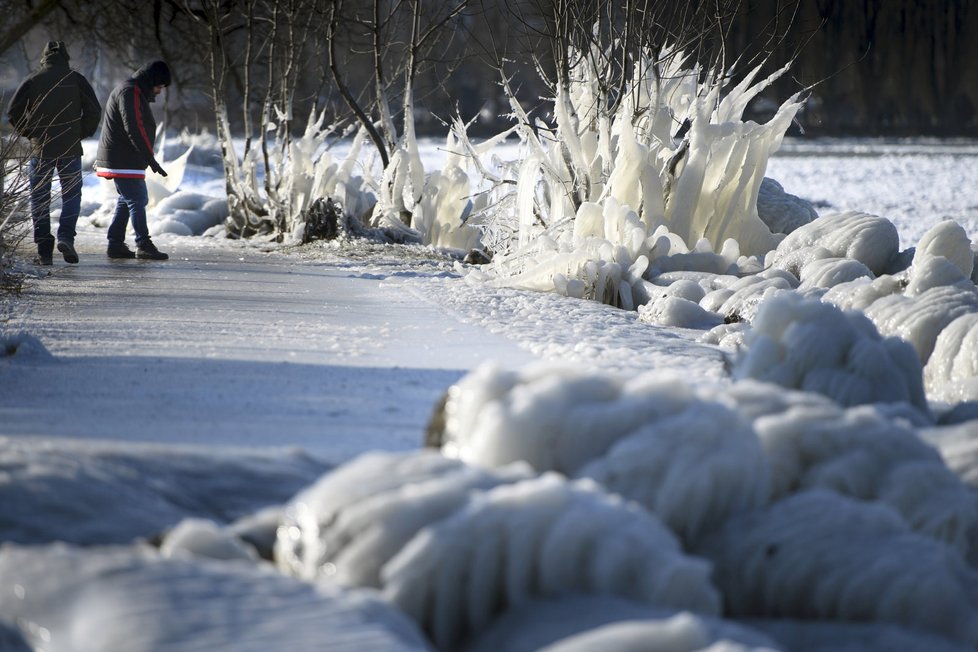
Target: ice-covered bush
[271,188]
[595,195]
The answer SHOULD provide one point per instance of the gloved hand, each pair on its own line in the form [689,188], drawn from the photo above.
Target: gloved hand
[157,168]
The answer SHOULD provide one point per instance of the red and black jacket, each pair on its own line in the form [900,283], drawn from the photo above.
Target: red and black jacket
[125,148]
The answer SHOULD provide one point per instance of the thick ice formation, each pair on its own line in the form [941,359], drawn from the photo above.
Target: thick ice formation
[63,598]
[344,528]
[540,538]
[806,344]
[818,555]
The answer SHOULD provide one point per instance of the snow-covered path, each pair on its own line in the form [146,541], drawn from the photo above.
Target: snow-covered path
[234,347]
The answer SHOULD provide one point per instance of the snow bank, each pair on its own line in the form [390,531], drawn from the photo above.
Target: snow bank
[89,493]
[62,598]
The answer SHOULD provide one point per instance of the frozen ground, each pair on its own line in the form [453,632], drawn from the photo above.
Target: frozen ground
[217,385]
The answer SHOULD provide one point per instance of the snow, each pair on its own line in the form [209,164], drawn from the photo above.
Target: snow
[224,451]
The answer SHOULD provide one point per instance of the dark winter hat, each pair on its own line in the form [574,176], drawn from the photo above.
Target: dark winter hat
[156,73]
[55,49]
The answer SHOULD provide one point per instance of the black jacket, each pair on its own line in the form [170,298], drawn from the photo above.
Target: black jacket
[125,148]
[55,106]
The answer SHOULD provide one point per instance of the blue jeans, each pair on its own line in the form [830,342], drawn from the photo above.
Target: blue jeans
[40,173]
[130,205]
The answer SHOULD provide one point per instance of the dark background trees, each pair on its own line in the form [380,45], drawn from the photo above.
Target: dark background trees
[874,67]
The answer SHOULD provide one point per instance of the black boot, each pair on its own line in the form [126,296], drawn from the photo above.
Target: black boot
[67,250]
[120,250]
[45,252]
[148,251]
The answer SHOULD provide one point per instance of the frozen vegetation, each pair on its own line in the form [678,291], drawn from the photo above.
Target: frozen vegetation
[812,488]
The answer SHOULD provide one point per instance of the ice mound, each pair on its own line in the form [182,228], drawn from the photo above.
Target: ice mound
[552,417]
[949,240]
[681,633]
[344,528]
[740,300]
[540,538]
[782,212]
[133,599]
[871,240]
[834,636]
[858,453]
[951,372]
[829,272]
[920,319]
[801,343]
[23,347]
[818,555]
[692,469]
[678,312]
[549,624]
[205,538]
[187,213]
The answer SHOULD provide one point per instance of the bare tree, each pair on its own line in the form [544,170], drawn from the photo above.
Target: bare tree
[14,205]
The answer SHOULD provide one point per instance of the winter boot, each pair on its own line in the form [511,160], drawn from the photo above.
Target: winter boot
[148,251]
[120,250]
[67,250]
[45,252]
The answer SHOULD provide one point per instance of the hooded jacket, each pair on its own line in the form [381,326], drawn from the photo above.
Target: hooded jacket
[55,107]
[125,148]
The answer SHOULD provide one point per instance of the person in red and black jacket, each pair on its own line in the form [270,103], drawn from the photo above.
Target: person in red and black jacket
[125,150]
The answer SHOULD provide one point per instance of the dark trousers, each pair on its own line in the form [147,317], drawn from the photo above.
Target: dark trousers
[41,172]
[131,205]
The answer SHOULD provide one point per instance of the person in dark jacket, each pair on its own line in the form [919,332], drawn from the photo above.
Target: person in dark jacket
[125,150]
[55,107]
